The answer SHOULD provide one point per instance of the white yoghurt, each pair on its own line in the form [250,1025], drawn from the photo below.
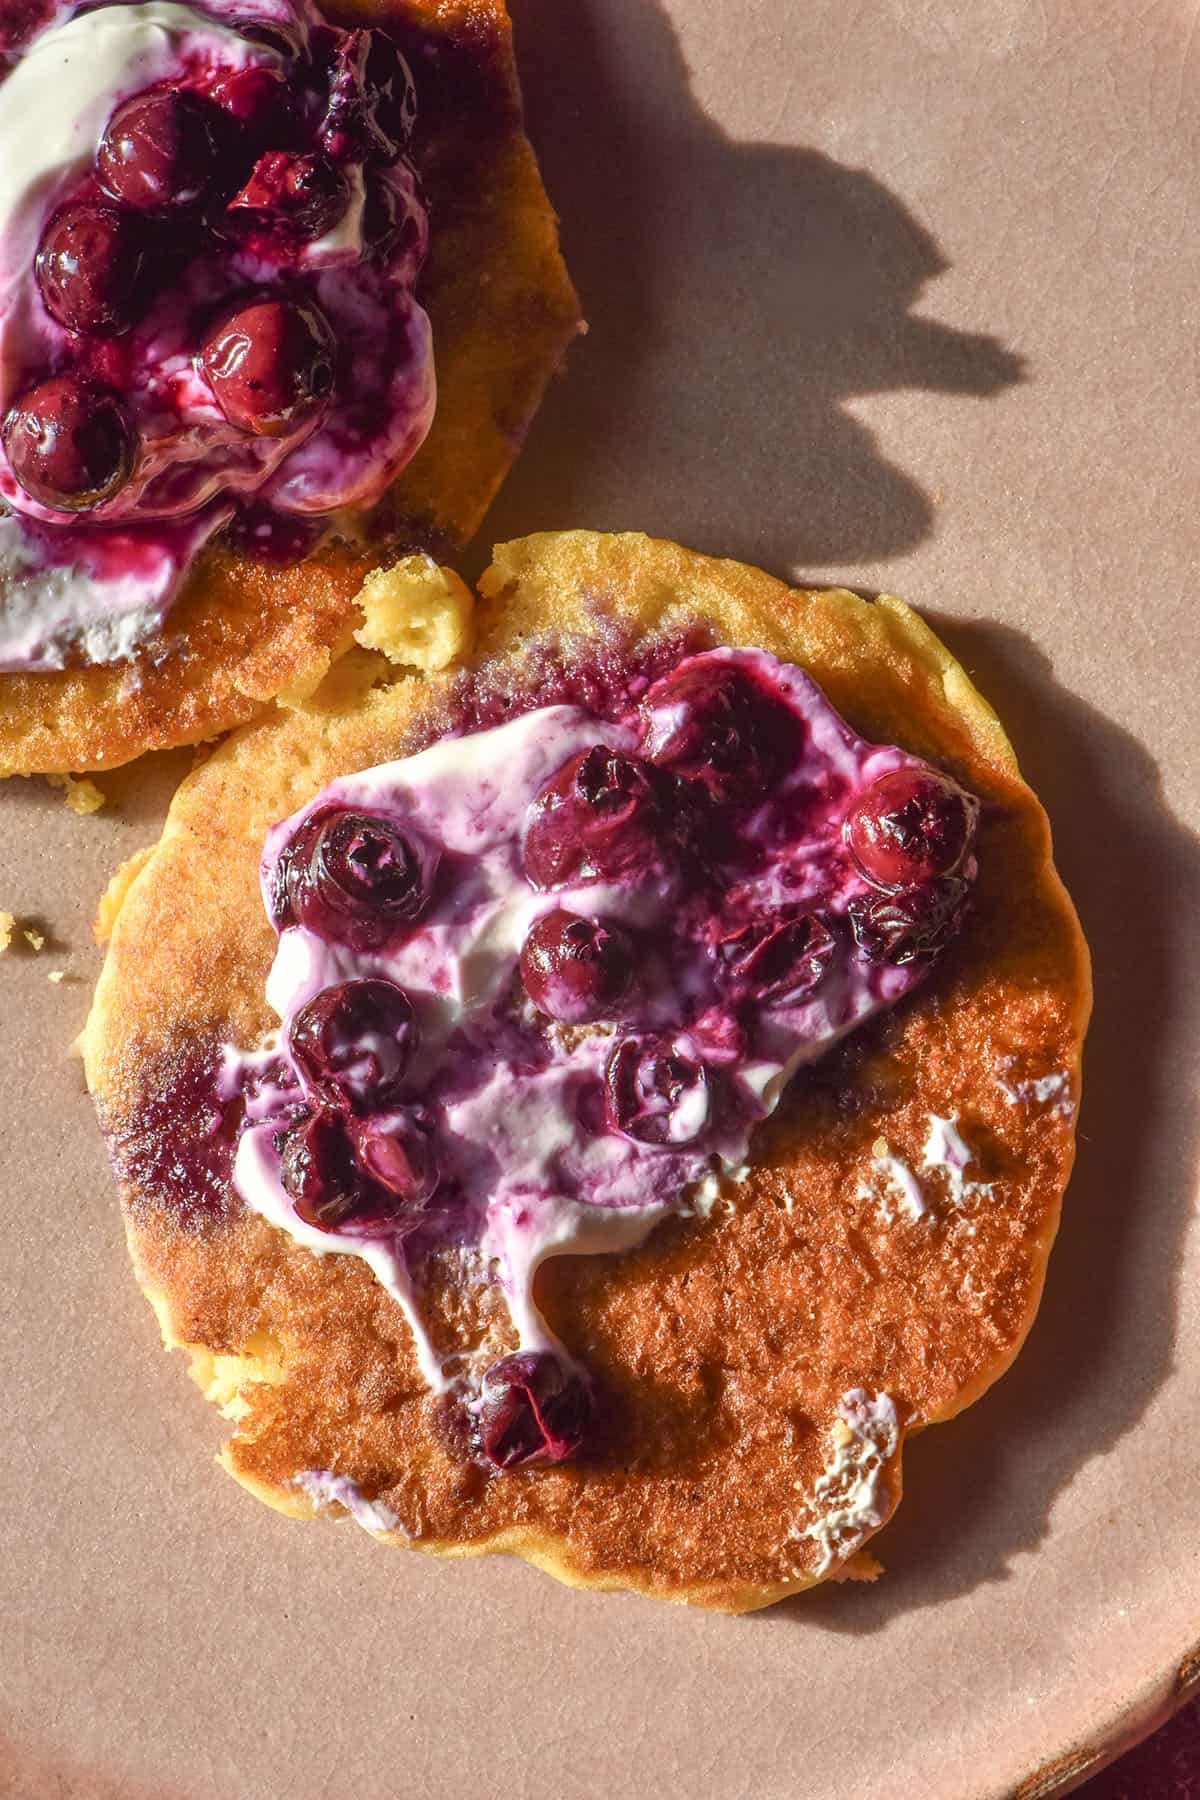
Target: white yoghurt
[851,1497]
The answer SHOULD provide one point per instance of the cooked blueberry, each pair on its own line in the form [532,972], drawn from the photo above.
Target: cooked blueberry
[353,1043]
[713,723]
[656,1092]
[162,151]
[271,367]
[911,925]
[778,959]
[329,1188]
[354,877]
[910,826]
[533,1409]
[372,100]
[390,228]
[576,969]
[88,268]
[319,1173]
[301,196]
[70,445]
[397,1153]
[599,818]
[260,99]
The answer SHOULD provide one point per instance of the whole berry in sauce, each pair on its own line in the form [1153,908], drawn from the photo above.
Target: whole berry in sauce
[330,1189]
[397,1152]
[353,876]
[353,1043]
[89,267]
[271,367]
[301,196]
[260,100]
[69,444]
[777,960]
[533,1409]
[372,100]
[912,925]
[657,1092]
[910,826]
[318,1171]
[163,151]
[390,225]
[576,970]
[711,722]
[599,818]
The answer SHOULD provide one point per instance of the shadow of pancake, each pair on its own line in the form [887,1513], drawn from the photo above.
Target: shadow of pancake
[979,1491]
[738,296]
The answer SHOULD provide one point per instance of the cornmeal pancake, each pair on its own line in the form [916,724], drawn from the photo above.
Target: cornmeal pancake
[757,1361]
[502,310]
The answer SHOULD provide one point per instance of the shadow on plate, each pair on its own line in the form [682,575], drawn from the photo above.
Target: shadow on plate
[136,795]
[738,296]
[980,1490]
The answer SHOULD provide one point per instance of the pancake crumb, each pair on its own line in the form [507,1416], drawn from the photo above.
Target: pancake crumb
[114,894]
[861,1567]
[80,794]
[417,613]
[34,939]
[8,925]
[57,975]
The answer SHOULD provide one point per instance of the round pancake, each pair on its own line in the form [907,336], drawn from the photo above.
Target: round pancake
[747,1357]
[503,312]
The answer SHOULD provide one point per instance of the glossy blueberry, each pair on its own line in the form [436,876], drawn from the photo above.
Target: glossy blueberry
[397,1152]
[261,101]
[910,826]
[372,100]
[576,969]
[777,960]
[89,268]
[301,196]
[657,1092]
[354,877]
[163,151]
[70,445]
[271,367]
[601,817]
[533,1409]
[390,228]
[711,722]
[319,1173]
[330,1188]
[912,925]
[353,1043]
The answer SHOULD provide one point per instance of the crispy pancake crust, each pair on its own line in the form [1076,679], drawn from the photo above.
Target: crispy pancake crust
[725,1346]
[503,312]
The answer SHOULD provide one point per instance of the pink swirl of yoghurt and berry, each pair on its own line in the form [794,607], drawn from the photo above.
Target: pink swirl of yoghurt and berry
[538,983]
[209,239]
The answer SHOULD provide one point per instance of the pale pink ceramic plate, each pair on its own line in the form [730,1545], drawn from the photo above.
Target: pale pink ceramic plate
[902,295]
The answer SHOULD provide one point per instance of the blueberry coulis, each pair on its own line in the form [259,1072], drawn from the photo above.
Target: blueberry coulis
[539,983]
[207,319]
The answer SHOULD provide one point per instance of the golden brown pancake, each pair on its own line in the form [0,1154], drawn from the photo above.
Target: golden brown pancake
[761,1366]
[503,312]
